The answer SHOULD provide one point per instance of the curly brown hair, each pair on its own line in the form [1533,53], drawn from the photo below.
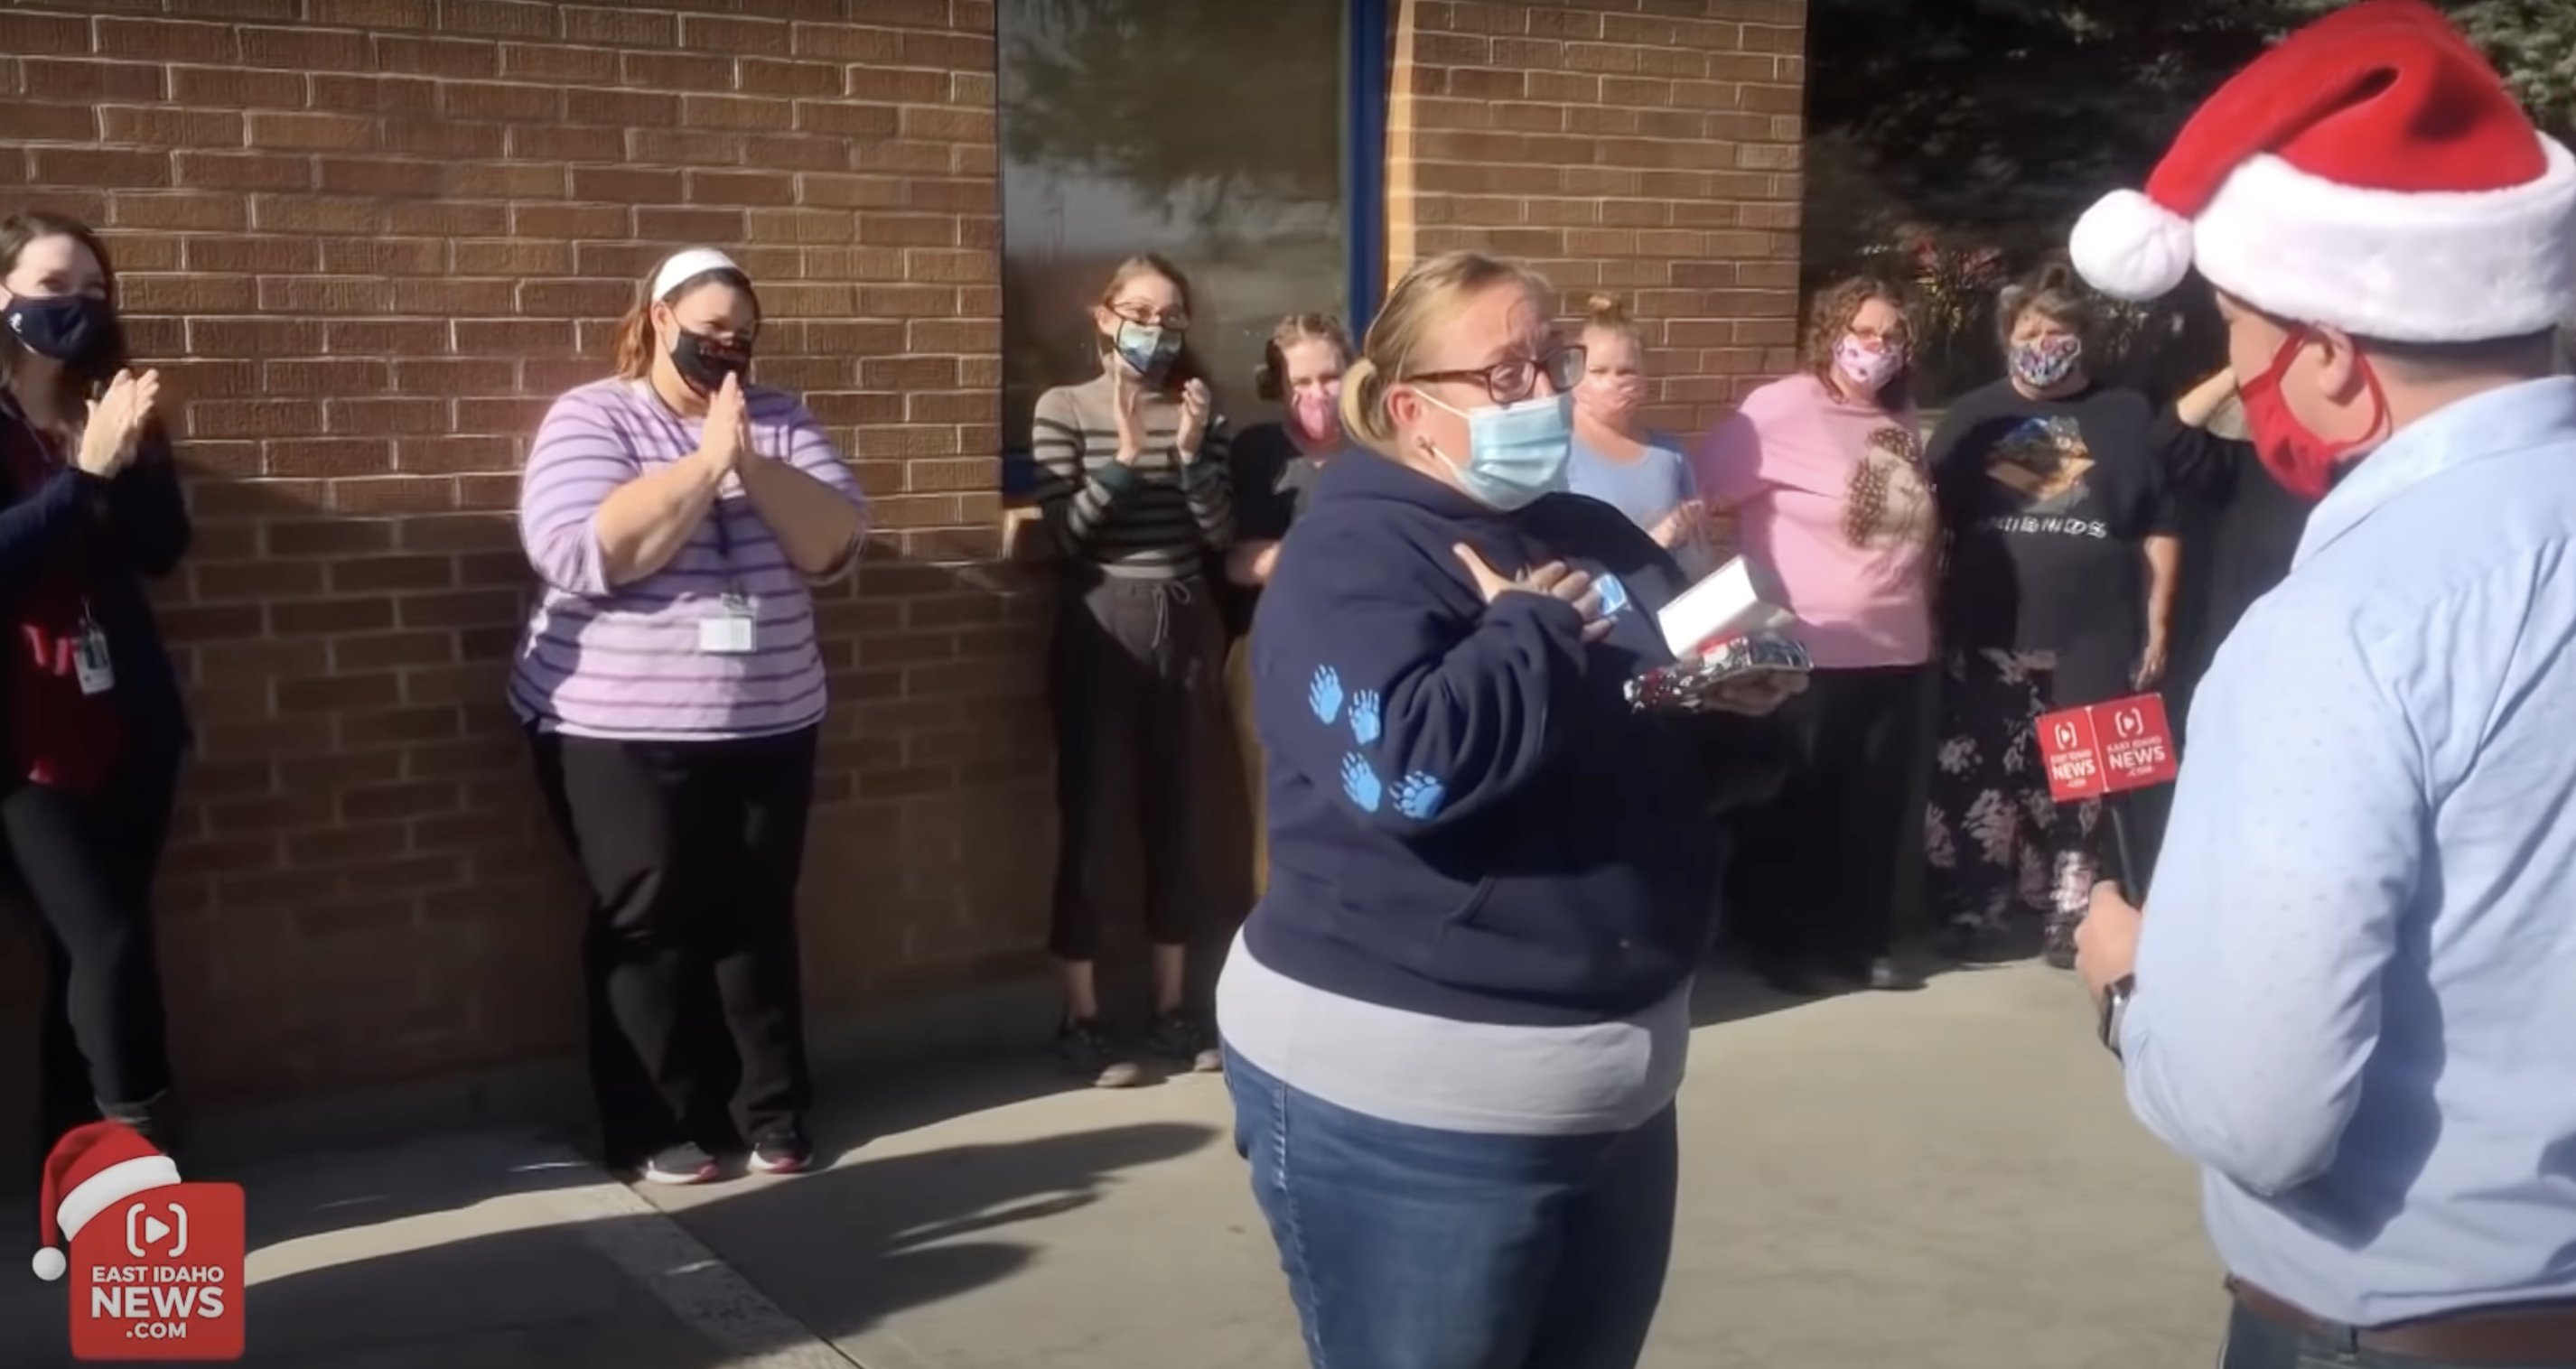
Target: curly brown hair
[1830,316]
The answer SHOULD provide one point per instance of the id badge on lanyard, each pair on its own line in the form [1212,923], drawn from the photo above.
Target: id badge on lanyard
[733,631]
[91,663]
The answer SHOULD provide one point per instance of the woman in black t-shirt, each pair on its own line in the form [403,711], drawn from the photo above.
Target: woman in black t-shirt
[1275,466]
[2057,590]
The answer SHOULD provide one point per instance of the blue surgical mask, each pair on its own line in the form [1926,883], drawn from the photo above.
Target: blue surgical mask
[1517,453]
[1150,350]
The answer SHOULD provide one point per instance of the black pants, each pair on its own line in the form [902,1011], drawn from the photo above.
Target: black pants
[87,862]
[691,851]
[1136,674]
[1818,870]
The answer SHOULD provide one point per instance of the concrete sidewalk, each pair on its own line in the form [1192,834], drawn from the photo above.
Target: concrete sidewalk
[1943,1179]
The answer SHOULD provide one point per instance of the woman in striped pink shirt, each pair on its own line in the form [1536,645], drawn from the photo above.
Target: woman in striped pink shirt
[671,686]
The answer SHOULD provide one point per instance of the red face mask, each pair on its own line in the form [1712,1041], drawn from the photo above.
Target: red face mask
[2303,462]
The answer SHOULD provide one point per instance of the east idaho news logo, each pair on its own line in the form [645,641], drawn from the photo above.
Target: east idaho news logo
[155,1263]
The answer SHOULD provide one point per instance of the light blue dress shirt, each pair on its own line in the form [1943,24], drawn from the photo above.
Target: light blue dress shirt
[2356,992]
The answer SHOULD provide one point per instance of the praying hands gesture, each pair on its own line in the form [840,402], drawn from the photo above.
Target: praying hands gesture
[116,422]
[726,443]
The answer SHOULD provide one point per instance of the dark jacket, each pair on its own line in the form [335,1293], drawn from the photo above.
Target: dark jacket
[1467,819]
[144,517]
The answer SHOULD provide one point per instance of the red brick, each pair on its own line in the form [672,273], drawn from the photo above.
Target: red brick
[244,171]
[895,85]
[101,168]
[437,57]
[739,37]
[620,27]
[553,62]
[501,18]
[51,79]
[622,108]
[674,71]
[303,49]
[374,14]
[848,43]
[37,122]
[181,210]
[162,40]
[26,35]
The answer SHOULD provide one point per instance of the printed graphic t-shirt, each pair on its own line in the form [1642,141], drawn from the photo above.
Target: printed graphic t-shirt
[1832,504]
[2046,502]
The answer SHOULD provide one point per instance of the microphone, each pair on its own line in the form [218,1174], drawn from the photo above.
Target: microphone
[2107,749]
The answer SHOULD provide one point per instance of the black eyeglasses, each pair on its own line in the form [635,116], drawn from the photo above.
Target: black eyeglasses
[1510,381]
[1143,315]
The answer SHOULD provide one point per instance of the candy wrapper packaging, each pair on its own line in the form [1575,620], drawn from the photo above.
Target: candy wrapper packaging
[1687,686]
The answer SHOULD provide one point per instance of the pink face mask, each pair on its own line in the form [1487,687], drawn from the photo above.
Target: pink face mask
[1317,414]
[1611,398]
[1868,365]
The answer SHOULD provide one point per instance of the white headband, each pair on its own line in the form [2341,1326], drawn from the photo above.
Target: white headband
[697,261]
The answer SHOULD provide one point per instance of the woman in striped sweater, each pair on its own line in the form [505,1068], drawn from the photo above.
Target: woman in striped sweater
[672,689]
[1136,495]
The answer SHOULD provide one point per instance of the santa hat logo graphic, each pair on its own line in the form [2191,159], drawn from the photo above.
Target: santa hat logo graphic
[2371,173]
[92,1169]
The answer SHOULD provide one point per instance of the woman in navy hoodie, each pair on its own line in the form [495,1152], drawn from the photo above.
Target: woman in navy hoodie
[1455,1024]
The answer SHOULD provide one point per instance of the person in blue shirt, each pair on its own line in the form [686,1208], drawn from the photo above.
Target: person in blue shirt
[1618,458]
[2349,1001]
[1454,1025]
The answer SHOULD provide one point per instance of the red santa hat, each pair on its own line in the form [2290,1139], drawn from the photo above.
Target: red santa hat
[92,1169]
[2370,173]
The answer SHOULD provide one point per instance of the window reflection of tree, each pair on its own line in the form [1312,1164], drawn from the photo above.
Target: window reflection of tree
[1220,123]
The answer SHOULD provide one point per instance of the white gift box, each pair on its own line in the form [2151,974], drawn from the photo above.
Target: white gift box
[1729,603]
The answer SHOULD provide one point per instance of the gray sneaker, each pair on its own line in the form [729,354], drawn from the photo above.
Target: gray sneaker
[1177,1036]
[1085,1050]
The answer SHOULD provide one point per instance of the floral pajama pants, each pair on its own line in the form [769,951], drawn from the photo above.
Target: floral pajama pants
[1996,843]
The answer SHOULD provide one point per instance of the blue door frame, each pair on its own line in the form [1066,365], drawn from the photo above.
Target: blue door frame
[1372,74]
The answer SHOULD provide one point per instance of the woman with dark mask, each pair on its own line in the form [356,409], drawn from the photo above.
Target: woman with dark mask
[1135,490]
[672,689]
[2058,590]
[96,728]
[1275,469]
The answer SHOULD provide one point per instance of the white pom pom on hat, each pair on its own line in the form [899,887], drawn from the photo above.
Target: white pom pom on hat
[91,1169]
[2370,173]
[2131,247]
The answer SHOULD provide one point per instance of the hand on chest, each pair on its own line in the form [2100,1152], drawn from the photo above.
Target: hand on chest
[1635,637]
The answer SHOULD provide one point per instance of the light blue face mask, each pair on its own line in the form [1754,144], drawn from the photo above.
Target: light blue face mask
[1517,453]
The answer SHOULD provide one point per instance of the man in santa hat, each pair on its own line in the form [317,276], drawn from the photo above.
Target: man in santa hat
[2353,1002]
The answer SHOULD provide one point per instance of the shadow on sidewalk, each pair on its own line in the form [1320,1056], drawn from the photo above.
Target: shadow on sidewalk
[592,1276]
[844,1246]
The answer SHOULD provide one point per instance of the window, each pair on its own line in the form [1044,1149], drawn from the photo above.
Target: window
[1228,138]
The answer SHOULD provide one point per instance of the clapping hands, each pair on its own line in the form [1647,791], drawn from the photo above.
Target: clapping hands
[117,419]
[1195,404]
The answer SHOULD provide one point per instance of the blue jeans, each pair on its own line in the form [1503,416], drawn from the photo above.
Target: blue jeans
[2257,1342]
[1408,1248]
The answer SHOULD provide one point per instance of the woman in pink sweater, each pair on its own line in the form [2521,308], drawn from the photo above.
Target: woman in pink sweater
[1823,472]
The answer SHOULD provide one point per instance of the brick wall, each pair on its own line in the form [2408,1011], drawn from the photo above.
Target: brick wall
[1648,148]
[366,241]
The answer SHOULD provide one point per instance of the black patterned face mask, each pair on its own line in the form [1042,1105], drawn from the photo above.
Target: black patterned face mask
[80,331]
[705,361]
